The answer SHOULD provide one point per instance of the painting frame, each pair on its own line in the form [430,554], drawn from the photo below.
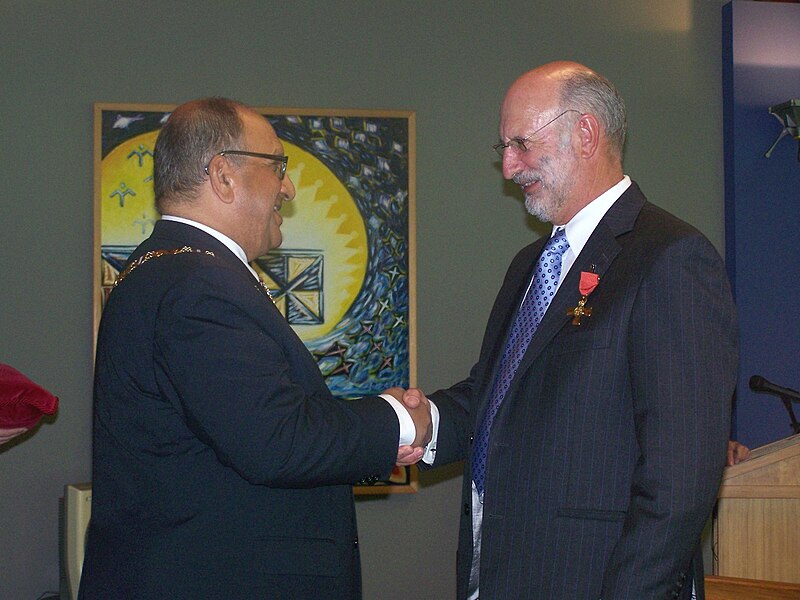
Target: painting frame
[367,158]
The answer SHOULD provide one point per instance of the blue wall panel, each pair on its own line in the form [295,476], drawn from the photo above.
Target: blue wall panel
[761,68]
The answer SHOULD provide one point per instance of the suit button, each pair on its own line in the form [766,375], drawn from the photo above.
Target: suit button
[471,439]
[466,509]
[355,543]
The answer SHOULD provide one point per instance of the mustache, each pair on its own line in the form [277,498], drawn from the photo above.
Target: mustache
[525,178]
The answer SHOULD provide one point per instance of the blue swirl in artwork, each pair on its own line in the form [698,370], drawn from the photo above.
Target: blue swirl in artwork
[368,351]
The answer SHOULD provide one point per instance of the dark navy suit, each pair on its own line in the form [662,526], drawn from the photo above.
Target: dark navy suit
[222,463]
[606,455]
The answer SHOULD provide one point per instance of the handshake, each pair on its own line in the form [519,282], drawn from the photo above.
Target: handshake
[419,408]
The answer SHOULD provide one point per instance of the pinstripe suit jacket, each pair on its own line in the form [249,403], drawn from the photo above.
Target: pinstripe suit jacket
[606,455]
[221,463]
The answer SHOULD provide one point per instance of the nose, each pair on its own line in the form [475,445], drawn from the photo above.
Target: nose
[287,188]
[511,163]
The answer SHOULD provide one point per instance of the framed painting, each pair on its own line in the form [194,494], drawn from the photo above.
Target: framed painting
[344,276]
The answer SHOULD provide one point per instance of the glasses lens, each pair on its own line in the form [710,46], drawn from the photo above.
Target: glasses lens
[517,146]
[514,145]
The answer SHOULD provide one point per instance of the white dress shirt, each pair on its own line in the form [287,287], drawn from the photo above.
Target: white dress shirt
[578,231]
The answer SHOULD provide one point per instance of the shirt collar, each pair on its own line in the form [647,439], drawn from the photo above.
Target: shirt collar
[221,237]
[582,225]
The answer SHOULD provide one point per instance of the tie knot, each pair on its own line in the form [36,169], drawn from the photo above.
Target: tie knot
[557,244]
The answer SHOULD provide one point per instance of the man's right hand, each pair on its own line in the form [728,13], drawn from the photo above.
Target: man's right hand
[419,408]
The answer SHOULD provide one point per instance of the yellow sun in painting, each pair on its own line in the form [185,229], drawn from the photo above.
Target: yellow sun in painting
[324,217]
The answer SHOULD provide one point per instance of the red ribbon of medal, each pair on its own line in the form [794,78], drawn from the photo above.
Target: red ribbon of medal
[589,281]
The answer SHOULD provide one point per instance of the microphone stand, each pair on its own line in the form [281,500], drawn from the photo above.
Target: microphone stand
[761,385]
[787,402]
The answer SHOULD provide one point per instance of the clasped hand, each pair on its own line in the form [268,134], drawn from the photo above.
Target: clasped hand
[419,408]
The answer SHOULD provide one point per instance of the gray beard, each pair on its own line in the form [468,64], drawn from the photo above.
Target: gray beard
[545,209]
[551,197]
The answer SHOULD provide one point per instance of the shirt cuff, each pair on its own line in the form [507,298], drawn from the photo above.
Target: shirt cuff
[430,450]
[407,429]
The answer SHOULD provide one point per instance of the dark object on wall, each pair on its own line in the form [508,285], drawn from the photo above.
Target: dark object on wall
[788,113]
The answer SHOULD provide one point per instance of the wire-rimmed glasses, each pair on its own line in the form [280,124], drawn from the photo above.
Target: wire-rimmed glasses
[519,144]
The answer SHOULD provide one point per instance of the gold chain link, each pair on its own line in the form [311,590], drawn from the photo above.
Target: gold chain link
[155,254]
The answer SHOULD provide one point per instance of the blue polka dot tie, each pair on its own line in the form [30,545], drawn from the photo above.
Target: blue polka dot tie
[529,315]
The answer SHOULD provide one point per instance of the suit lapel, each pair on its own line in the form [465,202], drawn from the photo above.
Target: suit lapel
[502,317]
[599,252]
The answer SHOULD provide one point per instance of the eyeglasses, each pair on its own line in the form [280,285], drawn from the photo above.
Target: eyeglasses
[518,144]
[283,160]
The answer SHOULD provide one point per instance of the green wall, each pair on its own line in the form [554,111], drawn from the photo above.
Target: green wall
[448,61]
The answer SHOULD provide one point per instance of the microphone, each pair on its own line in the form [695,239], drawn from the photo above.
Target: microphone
[759,384]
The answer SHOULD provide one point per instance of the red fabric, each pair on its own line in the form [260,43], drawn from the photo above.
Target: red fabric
[22,402]
[588,282]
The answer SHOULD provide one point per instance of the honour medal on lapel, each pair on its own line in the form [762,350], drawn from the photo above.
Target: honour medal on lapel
[589,281]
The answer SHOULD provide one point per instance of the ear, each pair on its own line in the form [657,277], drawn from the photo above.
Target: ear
[223,179]
[589,135]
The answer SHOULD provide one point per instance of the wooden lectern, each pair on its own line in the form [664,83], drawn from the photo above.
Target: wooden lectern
[757,524]
[733,588]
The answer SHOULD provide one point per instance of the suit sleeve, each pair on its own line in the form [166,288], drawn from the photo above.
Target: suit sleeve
[683,359]
[454,404]
[235,370]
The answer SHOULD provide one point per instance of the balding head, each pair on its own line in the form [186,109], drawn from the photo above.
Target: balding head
[194,132]
[573,86]
[562,128]
[220,163]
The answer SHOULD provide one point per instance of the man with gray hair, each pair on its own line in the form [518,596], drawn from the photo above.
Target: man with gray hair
[595,422]
[222,464]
